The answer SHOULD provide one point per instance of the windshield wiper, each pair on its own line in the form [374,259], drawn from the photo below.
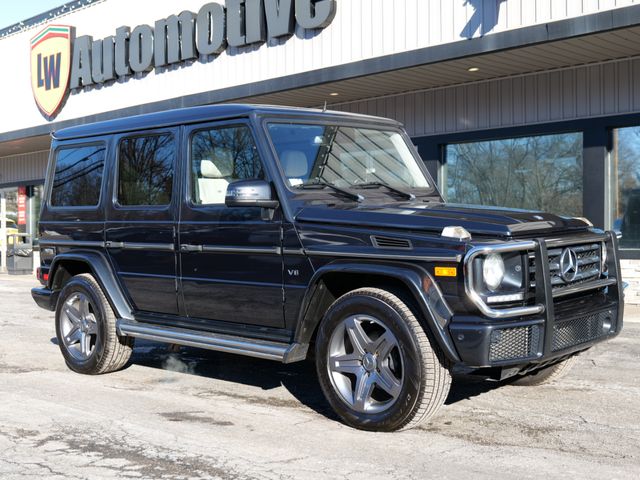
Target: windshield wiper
[407,195]
[322,183]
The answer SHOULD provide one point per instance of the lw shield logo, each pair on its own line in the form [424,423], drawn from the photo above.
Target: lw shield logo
[50,67]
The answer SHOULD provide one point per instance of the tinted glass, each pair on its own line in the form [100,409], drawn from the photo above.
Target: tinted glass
[535,173]
[345,156]
[78,176]
[220,156]
[145,170]
[625,185]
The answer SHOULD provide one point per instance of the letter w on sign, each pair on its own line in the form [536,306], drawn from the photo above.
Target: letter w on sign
[50,66]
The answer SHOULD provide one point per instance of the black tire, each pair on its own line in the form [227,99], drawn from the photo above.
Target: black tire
[109,352]
[425,381]
[546,375]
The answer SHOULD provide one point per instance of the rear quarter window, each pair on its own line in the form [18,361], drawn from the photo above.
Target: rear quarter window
[78,176]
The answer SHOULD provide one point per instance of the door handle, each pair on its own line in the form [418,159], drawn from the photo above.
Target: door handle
[110,244]
[190,248]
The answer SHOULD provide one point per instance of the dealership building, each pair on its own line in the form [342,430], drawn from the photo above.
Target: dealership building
[519,103]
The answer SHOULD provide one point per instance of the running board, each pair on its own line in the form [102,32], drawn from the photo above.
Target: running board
[281,352]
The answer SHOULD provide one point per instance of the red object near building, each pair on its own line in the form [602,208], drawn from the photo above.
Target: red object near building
[22,205]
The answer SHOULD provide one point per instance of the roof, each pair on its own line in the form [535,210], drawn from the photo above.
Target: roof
[200,114]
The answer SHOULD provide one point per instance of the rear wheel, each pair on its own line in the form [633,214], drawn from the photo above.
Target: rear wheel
[376,366]
[86,329]
[546,375]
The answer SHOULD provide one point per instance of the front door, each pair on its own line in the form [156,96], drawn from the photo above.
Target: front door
[230,258]
[141,220]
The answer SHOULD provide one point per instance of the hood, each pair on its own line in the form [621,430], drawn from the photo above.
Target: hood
[478,220]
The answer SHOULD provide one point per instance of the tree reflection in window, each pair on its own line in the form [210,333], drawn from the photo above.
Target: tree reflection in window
[232,151]
[145,170]
[78,176]
[625,185]
[536,173]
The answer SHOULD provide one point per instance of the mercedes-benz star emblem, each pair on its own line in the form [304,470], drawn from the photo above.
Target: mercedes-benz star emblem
[568,265]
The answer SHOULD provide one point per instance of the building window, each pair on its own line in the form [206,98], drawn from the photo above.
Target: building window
[625,185]
[537,173]
[145,170]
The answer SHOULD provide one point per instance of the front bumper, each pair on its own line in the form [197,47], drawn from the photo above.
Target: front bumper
[565,326]
[536,340]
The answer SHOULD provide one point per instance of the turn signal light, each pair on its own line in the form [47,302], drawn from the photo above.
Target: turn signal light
[446,271]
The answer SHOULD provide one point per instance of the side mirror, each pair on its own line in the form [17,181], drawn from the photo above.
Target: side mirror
[250,193]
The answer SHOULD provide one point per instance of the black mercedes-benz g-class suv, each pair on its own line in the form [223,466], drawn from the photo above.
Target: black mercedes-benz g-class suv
[262,231]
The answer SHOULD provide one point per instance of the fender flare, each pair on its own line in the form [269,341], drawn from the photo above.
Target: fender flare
[103,273]
[433,307]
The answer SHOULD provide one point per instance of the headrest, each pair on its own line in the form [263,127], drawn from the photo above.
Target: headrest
[294,164]
[211,170]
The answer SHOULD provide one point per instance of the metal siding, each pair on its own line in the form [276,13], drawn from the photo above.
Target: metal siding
[573,93]
[23,168]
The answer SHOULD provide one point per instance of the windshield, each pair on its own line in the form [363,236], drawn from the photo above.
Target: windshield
[345,156]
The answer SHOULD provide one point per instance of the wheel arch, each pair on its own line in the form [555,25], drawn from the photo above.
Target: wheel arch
[339,277]
[66,265]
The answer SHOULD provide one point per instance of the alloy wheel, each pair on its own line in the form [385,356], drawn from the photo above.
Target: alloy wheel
[79,326]
[365,364]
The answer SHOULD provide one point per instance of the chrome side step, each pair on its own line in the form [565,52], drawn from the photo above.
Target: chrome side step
[282,352]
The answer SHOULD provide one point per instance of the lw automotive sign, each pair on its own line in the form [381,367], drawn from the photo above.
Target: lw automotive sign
[177,38]
[50,61]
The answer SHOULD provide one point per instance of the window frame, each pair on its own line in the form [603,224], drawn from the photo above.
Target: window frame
[51,176]
[188,193]
[116,168]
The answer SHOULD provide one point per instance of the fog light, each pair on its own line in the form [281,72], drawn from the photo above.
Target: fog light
[606,325]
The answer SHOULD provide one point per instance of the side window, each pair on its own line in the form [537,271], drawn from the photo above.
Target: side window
[220,156]
[145,170]
[78,176]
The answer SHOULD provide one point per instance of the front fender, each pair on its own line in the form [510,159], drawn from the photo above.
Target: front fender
[420,283]
[103,273]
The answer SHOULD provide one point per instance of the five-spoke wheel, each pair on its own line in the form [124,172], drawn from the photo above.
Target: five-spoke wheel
[78,326]
[375,363]
[86,328]
[365,364]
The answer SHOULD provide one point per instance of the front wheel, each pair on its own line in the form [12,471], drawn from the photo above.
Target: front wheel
[376,365]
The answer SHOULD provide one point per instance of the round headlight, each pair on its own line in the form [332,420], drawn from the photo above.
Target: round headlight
[493,271]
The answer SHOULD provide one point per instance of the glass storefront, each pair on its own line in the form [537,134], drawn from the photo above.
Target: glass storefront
[625,185]
[23,209]
[538,172]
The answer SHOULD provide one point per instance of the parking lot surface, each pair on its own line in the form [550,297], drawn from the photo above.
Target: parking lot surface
[199,414]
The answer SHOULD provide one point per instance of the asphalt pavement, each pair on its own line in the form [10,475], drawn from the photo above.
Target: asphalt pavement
[197,414]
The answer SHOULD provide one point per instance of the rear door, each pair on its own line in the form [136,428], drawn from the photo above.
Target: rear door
[141,219]
[231,260]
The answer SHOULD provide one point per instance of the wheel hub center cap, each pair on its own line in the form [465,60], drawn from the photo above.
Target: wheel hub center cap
[369,362]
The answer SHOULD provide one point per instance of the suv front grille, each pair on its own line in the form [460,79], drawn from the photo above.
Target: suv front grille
[588,265]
